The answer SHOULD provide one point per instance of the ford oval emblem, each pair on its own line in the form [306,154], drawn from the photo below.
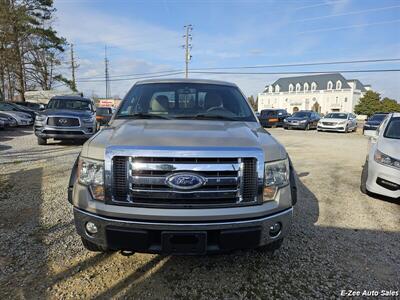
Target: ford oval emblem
[185,181]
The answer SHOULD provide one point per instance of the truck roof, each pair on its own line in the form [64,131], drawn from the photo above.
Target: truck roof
[184,80]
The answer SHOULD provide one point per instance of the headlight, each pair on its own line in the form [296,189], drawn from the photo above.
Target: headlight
[303,121]
[342,123]
[276,175]
[89,119]
[91,174]
[285,120]
[40,118]
[384,159]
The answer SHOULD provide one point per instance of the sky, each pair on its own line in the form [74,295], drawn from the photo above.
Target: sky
[146,36]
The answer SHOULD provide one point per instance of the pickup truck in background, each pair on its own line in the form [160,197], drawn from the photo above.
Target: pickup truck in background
[183,168]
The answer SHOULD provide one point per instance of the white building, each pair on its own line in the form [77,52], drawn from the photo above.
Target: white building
[321,93]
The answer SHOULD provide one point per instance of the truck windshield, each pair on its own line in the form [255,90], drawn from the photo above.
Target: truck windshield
[186,101]
[69,104]
[393,129]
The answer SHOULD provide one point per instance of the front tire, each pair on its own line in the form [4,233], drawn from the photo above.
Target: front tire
[346,130]
[364,178]
[307,127]
[41,141]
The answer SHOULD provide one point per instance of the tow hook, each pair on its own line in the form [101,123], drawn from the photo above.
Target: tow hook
[126,253]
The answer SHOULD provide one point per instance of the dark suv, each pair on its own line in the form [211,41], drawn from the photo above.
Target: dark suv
[304,119]
[272,117]
[66,118]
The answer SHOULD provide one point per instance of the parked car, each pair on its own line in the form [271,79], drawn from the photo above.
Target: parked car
[182,177]
[8,106]
[31,105]
[66,118]
[338,121]
[373,122]
[273,117]
[21,118]
[8,120]
[381,171]
[303,119]
[103,115]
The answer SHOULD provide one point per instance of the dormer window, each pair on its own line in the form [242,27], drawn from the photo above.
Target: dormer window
[306,87]
[277,88]
[313,86]
[291,87]
[270,89]
[338,85]
[330,85]
[298,87]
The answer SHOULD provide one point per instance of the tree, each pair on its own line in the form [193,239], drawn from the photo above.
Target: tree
[253,102]
[29,47]
[390,105]
[369,104]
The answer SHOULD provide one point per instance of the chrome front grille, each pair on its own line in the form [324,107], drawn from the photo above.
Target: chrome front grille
[143,181]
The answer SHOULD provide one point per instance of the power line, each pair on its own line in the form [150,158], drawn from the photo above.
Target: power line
[348,27]
[298,72]
[254,67]
[134,78]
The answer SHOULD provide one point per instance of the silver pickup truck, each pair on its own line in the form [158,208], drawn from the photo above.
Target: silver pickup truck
[183,168]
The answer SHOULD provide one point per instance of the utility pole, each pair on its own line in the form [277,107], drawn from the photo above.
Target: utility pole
[188,46]
[73,68]
[106,73]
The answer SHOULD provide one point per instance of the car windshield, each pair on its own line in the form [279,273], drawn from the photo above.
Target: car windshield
[377,118]
[336,116]
[186,101]
[73,104]
[103,110]
[301,114]
[393,129]
[268,113]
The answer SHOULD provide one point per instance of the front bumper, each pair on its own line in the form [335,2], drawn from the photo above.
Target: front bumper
[382,179]
[295,125]
[83,132]
[146,236]
[339,128]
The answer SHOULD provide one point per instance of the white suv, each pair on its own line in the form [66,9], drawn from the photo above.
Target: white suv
[381,172]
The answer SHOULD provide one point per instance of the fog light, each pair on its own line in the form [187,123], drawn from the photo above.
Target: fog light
[91,228]
[275,229]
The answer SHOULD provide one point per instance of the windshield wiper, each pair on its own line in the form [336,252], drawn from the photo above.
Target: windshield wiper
[206,117]
[142,116]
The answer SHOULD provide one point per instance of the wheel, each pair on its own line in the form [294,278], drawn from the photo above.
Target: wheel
[364,177]
[93,247]
[346,130]
[307,126]
[355,129]
[271,247]
[41,141]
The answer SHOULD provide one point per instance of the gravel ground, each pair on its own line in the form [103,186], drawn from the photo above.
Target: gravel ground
[341,239]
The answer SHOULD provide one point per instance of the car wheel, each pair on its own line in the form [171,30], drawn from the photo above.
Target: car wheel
[307,126]
[41,141]
[364,177]
[346,130]
[93,247]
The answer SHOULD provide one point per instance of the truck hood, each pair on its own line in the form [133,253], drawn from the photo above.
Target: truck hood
[389,147]
[184,133]
[66,112]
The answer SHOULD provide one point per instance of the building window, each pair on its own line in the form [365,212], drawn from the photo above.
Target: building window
[338,85]
[345,99]
[306,87]
[298,87]
[270,89]
[313,86]
[290,87]
[330,85]
[277,88]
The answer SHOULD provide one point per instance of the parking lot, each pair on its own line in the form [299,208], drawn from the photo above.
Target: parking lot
[341,239]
